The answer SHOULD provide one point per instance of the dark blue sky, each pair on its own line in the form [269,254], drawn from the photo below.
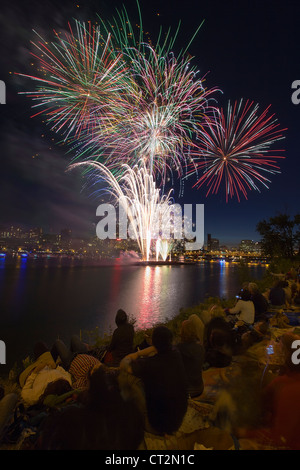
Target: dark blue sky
[250,49]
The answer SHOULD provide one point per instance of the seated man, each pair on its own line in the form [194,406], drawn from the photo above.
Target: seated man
[163,379]
[122,340]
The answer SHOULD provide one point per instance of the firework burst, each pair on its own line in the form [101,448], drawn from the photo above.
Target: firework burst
[236,150]
[117,99]
[167,107]
[83,80]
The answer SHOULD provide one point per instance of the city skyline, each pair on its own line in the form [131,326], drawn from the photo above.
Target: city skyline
[240,47]
[38,235]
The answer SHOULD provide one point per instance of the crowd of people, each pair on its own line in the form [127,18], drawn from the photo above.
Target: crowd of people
[90,398]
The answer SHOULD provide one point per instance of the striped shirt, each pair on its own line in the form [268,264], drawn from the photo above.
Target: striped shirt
[80,368]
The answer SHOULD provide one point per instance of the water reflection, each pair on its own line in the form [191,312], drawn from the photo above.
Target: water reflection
[224,279]
[148,295]
[51,299]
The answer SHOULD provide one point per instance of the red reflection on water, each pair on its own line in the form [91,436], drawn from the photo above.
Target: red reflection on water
[150,289]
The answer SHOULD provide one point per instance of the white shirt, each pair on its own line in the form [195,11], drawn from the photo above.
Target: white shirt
[37,382]
[245,311]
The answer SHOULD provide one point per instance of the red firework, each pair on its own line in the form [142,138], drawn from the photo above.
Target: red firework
[235,148]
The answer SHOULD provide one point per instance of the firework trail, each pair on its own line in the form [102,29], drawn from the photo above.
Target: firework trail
[144,205]
[236,150]
[163,248]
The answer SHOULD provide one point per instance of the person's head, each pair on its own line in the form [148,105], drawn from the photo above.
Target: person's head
[253,289]
[221,339]
[39,348]
[162,339]
[187,332]
[279,284]
[245,295]
[121,317]
[198,326]
[58,387]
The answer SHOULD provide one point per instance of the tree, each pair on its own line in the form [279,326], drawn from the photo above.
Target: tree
[280,235]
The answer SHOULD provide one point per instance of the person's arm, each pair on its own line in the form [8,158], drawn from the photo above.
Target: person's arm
[30,392]
[236,309]
[125,364]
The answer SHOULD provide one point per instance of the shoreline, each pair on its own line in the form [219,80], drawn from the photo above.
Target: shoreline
[215,379]
[95,340]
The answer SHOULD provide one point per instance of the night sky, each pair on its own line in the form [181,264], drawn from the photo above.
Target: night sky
[249,50]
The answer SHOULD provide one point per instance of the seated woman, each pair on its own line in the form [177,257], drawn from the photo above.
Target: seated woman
[244,311]
[219,343]
[192,353]
[122,340]
[43,377]
[280,425]
[260,302]
[198,326]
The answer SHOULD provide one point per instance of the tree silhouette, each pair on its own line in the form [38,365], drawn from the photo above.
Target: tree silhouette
[280,235]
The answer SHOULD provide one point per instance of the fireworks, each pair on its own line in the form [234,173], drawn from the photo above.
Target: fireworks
[134,115]
[118,100]
[163,248]
[83,79]
[145,207]
[236,150]
[165,112]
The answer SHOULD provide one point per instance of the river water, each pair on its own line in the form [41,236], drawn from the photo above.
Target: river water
[44,300]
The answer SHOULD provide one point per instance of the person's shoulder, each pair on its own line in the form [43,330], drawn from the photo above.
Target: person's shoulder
[174,355]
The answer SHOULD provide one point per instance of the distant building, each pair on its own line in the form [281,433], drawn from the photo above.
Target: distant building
[50,241]
[213,244]
[35,233]
[250,246]
[12,232]
[65,238]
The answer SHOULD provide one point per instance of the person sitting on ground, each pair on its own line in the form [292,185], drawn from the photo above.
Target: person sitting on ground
[254,335]
[192,353]
[103,421]
[199,327]
[243,312]
[260,302]
[43,377]
[122,340]
[296,297]
[161,378]
[280,403]
[277,295]
[219,344]
[75,360]
[8,404]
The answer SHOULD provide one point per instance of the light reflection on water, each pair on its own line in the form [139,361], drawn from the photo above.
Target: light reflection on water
[43,301]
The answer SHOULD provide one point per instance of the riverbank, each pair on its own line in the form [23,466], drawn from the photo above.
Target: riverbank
[248,371]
